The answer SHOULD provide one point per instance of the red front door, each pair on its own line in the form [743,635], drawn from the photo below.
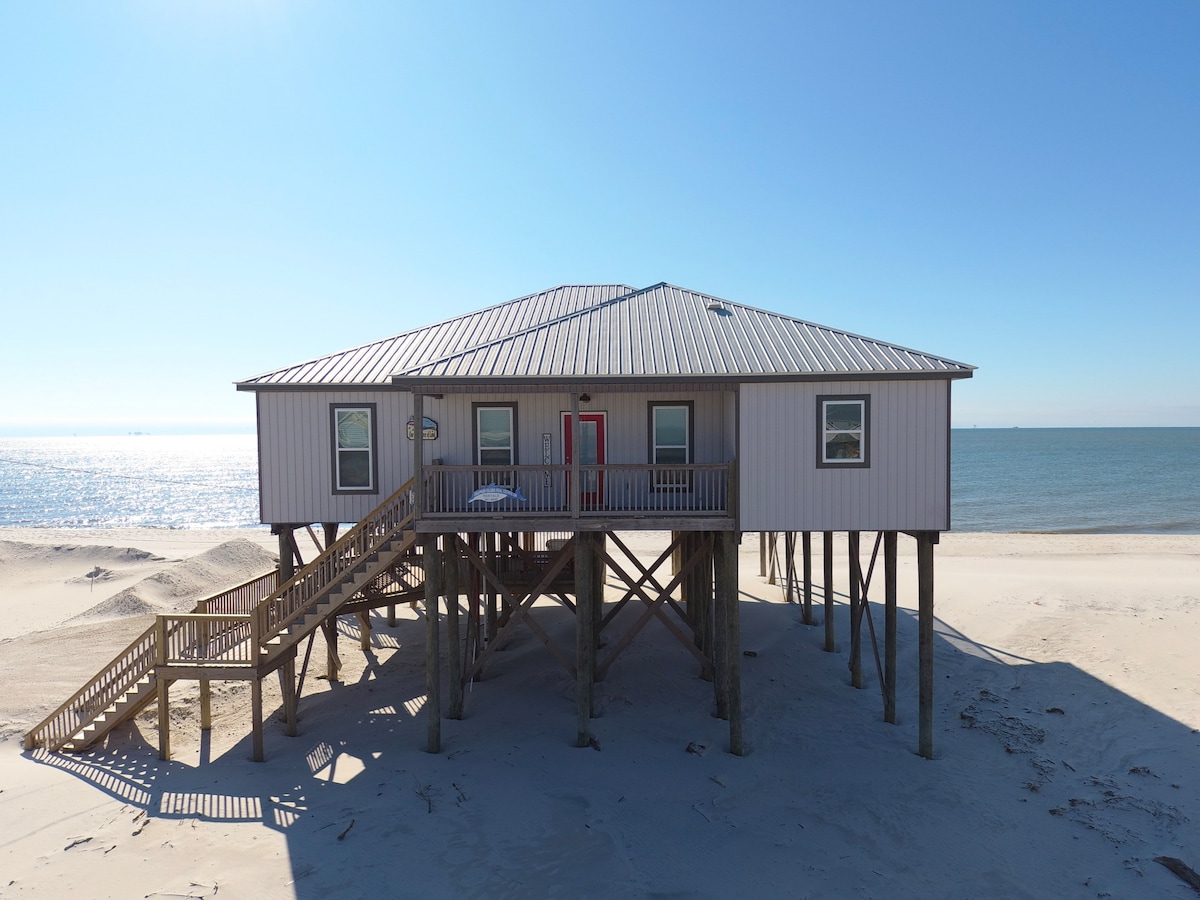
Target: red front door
[592,445]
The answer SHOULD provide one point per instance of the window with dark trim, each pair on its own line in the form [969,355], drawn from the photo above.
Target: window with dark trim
[495,427]
[355,463]
[671,440]
[844,431]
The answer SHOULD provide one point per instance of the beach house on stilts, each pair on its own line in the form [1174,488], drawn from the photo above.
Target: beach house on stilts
[503,456]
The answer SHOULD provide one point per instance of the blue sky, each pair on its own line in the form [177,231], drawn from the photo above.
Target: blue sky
[195,192]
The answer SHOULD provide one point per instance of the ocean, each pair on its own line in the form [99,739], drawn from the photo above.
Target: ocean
[1076,480]
[143,481]
[1069,480]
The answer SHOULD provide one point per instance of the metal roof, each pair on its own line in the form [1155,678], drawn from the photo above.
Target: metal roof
[615,332]
[377,362]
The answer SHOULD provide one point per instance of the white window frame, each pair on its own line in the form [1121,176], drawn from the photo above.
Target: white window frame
[825,432]
[372,485]
[502,477]
[665,481]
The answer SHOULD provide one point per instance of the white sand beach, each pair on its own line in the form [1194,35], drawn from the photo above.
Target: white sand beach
[1067,744]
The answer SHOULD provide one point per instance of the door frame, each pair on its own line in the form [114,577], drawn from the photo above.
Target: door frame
[601,417]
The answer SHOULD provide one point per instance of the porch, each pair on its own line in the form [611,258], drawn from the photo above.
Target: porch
[549,497]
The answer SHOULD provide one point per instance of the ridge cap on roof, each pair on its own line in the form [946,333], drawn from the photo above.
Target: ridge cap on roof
[636,292]
[632,292]
[253,379]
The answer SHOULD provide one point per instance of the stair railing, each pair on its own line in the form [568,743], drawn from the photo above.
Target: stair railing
[129,667]
[306,589]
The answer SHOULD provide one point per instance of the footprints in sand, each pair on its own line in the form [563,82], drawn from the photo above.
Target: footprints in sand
[1119,805]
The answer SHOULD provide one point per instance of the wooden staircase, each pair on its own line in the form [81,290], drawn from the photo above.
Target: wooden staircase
[244,633]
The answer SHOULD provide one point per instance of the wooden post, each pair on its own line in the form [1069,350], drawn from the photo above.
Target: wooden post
[726,565]
[418,451]
[164,718]
[287,559]
[827,563]
[772,555]
[585,643]
[433,660]
[205,704]
[333,662]
[287,690]
[925,542]
[576,452]
[257,754]
[889,626]
[599,568]
[473,601]
[163,688]
[856,609]
[364,630]
[452,556]
[762,554]
[721,648]
[331,531]
[489,541]
[698,592]
[806,550]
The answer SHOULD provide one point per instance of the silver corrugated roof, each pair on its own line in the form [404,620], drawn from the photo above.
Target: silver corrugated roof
[614,331]
[377,362]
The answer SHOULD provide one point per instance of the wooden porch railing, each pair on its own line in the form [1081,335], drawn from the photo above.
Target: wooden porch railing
[637,490]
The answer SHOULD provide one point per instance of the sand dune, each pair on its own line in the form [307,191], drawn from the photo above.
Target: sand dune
[1067,739]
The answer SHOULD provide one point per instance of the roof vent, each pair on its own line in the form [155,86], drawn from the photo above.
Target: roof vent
[715,305]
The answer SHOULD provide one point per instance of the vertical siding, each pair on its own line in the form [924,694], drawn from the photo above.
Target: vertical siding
[627,424]
[295,445]
[295,454]
[905,487]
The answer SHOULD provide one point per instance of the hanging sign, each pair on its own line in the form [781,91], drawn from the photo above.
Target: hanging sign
[428,433]
[546,457]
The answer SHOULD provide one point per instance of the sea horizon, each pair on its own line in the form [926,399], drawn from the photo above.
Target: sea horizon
[1041,480]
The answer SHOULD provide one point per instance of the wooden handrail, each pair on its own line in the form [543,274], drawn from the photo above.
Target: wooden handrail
[261,603]
[125,670]
[294,599]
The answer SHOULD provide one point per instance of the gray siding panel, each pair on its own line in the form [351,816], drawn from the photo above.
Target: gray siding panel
[295,462]
[295,444]
[905,487]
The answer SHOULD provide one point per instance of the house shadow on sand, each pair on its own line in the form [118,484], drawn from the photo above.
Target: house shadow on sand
[1046,783]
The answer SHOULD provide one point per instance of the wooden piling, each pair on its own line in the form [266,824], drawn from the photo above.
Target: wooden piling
[856,609]
[333,662]
[806,551]
[257,753]
[725,565]
[287,690]
[164,718]
[925,542]
[364,630]
[585,643]
[827,563]
[287,559]
[889,626]
[721,648]
[452,557]
[433,660]
[205,704]
[489,544]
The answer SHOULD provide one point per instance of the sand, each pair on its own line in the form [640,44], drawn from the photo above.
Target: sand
[1067,745]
